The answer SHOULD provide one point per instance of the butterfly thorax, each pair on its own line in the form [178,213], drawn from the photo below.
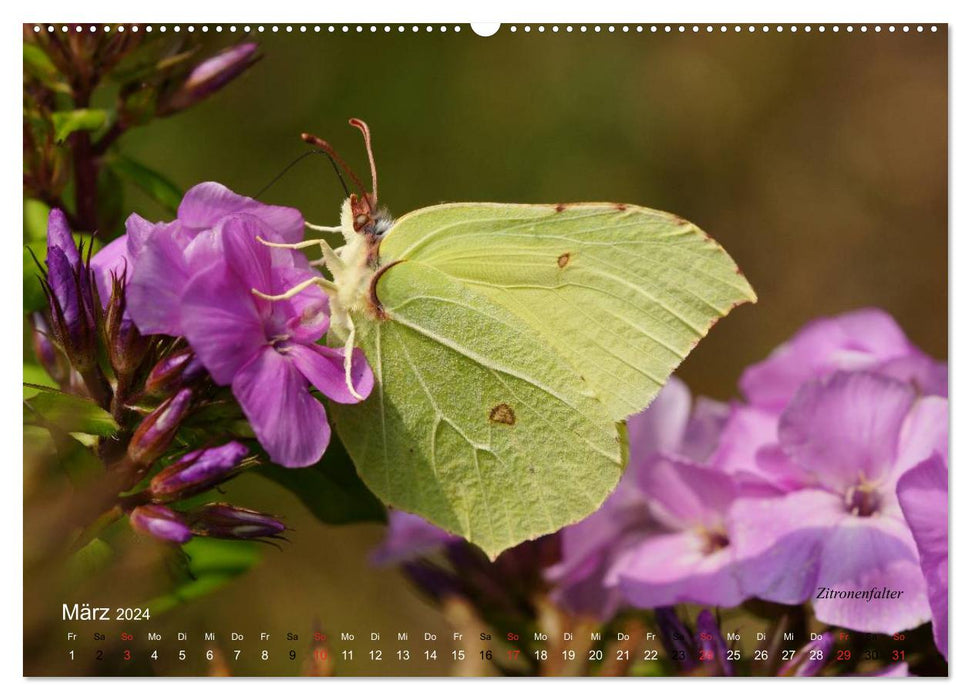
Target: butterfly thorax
[359,260]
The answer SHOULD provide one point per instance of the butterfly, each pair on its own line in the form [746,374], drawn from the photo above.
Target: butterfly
[509,343]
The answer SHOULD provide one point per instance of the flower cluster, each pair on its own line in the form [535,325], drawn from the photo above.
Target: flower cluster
[826,484]
[152,326]
[195,277]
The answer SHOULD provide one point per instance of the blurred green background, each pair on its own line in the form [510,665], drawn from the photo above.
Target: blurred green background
[819,161]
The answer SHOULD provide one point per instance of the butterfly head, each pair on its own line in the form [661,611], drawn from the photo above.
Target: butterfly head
[366,218]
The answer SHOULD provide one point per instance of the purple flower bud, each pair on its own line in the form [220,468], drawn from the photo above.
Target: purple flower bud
[198,471]
[231,522]
[68,285]
[210,76]
[160,522]
[174,372]
[126,346]
[50,358]
[155,432]
[675,638]
[711,644]
[811,659]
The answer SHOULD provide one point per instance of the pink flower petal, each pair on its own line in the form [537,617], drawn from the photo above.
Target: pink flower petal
[324,368]
[845,426]
[289,423]
[207,203]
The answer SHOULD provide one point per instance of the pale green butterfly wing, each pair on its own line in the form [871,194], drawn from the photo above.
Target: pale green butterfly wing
[571,317]
[623,293]
[475,422]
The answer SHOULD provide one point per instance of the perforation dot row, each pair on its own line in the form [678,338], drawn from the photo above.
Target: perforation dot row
[414,28]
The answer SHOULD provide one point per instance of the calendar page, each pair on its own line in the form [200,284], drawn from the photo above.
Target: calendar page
[548,349]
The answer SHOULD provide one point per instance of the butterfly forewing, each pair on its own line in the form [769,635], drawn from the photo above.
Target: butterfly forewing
[622,293]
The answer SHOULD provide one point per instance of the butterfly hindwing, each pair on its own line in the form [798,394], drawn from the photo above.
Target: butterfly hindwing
[475,422]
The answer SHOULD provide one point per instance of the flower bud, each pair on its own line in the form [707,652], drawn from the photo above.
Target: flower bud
[68,286]
[174,372]
[230,522]
[50,358]
[711,644]
[160,522]
[675,638]
[804,663]
[197,471]
[126,346]
[210,76]
[155,432]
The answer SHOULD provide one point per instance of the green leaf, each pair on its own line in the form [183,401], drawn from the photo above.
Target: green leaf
[211,564]
[152,183]
[68,413]
[330,489]
[66,123]
[36,379]
[508,342]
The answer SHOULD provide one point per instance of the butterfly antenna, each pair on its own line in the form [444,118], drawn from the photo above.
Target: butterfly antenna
[314,152]
[360,125]
[329,150]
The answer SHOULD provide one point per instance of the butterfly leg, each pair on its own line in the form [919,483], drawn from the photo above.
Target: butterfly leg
[329,287]
[348,358]
[328,256]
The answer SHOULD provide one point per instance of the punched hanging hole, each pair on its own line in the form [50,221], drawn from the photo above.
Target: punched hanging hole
[485,28]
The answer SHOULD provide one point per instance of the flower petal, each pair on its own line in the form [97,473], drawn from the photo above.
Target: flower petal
[856,340]
[222,322]
[778,542]
[674,568]
[685,495]
[660,427]
[845,425]
[289,423]
[862,554]
[923,498]
[324,368]
[157,280]
[207,203]
[110,260]
[924,433]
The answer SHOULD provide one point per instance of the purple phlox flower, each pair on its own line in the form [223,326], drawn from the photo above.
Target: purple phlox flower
[923,498]
[669,425]
[690,558]
[197,471]
[160,259]
[853,434]
[409,537]
[173,372]
[677,640]
[161,522]
[863,339]
[267,350]
[866,339]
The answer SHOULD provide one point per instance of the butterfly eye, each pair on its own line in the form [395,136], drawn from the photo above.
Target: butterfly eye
[361,220]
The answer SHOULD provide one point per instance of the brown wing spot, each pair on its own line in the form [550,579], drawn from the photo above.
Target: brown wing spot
[620,207]
[563,260]
[502,413]
[559,208]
